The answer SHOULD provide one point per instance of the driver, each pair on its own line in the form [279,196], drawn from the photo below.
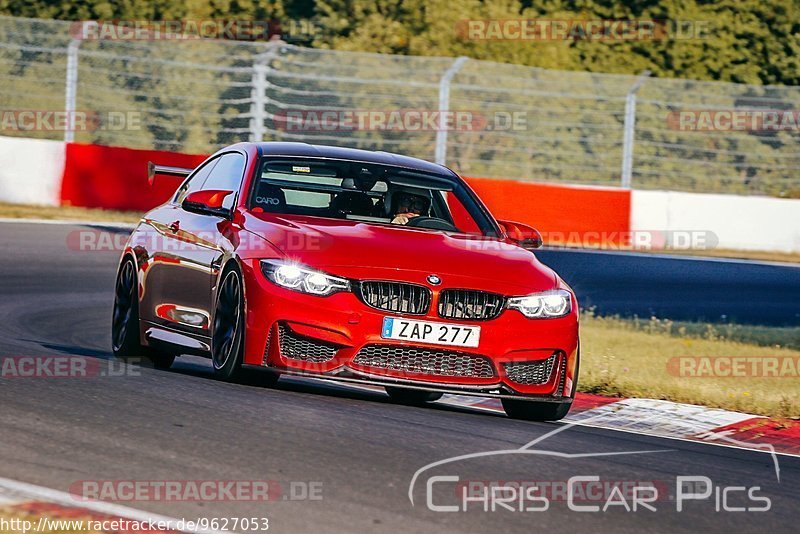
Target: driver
[407,206]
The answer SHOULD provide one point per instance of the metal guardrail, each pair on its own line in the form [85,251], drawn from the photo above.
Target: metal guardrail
[522,122]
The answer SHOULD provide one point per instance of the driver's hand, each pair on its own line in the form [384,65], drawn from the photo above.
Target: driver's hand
[402,218]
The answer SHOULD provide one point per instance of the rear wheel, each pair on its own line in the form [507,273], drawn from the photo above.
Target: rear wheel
[412,397]
[125,342]
[535,411]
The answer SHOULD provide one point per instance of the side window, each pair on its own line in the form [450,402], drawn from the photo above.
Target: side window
[196,181]
[227,174]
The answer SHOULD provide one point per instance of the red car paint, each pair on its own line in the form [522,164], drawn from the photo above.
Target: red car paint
[180,272]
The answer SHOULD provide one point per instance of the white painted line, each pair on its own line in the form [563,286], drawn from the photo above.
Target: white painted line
[16,492]
[64,222]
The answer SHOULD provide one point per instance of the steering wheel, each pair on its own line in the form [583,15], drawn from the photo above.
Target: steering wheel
[432,223]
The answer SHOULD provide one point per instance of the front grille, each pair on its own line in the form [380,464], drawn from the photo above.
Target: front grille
[425,361]
[469,304]
[396,297]
[297,347]
[530,373]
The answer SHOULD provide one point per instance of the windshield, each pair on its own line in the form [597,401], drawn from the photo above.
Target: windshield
[366,192]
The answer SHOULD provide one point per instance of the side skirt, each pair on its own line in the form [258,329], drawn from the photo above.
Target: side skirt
[167,339]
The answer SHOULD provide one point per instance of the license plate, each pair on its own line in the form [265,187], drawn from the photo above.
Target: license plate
[428,332]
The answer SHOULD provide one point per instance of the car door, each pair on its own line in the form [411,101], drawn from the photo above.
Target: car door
[164,251]
[202,245]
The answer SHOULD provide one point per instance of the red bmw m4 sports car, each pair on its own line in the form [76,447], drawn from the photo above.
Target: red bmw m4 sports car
[347,265]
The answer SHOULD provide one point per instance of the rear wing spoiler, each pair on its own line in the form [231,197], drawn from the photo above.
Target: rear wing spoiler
[165,170]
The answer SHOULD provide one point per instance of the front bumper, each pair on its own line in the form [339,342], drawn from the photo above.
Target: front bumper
[339,338]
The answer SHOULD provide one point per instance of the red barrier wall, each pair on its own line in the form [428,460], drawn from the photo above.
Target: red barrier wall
[568,215]
[116,178]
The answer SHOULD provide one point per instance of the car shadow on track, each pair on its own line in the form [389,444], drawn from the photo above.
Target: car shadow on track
[257,378]
[198,367]
[73,350]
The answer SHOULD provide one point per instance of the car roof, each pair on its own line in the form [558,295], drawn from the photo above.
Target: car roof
[351,154]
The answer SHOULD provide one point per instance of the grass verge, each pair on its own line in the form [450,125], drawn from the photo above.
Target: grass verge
[642,359]
[67,213]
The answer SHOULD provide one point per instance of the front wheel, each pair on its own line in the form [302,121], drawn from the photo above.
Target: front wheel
[125,342]
[535,411]
[412,397]
[227,340]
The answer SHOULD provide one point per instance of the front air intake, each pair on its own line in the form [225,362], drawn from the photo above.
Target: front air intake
[419,360]
[530,373]
[296,347]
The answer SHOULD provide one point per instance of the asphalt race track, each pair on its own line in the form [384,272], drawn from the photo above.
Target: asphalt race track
[681,288]
[359,449]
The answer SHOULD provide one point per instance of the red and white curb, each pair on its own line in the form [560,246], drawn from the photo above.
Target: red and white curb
[660,418]
[56,505]
[669,420]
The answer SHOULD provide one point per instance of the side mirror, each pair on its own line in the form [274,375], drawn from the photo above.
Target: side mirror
[208,202]
[525,236]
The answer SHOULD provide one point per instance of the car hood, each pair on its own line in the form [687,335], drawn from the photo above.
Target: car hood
[360,250]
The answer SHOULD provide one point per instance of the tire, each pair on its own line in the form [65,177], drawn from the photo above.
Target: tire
[412,397]
[535,411]
[227,338]
[125,344]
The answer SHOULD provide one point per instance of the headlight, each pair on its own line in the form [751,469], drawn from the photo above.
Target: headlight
[549,304]
[292,276]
